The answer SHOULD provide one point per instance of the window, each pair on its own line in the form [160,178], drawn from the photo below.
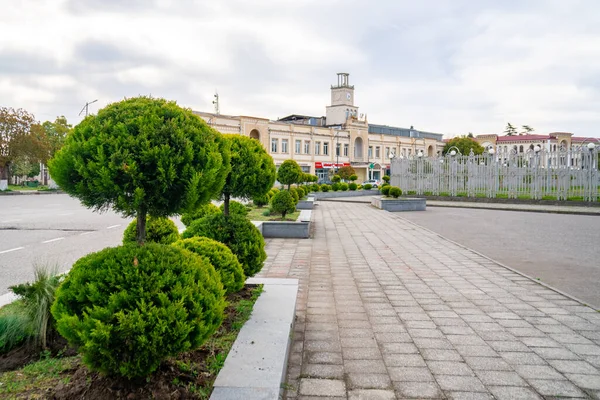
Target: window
[394,151]
[317,148]
[298,146]
[387,152]
[346,149]
[305,169]
[284,143]
[274,143]
[370,151]
[377,155]
[403,152]
[307,147]
[325,148]
[337,149]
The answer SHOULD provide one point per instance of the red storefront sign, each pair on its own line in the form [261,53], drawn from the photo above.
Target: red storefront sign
[325,165]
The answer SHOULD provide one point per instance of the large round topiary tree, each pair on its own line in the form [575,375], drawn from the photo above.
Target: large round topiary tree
[289,172]
[283,202]
[127,308]
[142,156]
[253,171]
[220,256]
[236,232]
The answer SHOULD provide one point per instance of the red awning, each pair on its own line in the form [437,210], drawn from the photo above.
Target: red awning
[325,165]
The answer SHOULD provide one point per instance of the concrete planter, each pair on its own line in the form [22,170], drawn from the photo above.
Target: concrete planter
[299,229]
[399,204]
[348,193]
[306,204]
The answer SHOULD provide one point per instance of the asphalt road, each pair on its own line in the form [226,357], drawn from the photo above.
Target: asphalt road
[561,250]
[51,230]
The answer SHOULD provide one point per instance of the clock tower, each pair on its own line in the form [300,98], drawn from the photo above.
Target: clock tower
[342,101]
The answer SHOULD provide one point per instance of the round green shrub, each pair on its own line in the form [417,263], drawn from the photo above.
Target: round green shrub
[225,262]
[295,195]
[127,308]
[353,177]
[335,186]
[315,187]
[386,178]
[301,191]
[235,207]
[283,203]
[395,192]
[343,186]
[274,190]
[352,186]
[325,187]
[367,186]
[266,212]
[158,230]
[189,217]
[260,201]
[336,179]
[236,232]
[385,190]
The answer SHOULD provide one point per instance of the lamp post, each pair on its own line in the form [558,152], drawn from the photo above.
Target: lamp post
[337,151]
[453,150]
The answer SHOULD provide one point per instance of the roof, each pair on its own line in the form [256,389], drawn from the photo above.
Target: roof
[527,138]
[294,117]
[405,132]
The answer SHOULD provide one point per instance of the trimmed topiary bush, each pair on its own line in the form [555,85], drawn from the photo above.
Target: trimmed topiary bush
[352,186]
[225,262]
[158,230]
[395,192]
[127,308]
[289,173]
[295,195]
[343,186]
[235,207]
[202,211]
[385,190]
[335,186]
[325,187]
[301,192]
[386,178]
[353,177]
[336,179]
[274,190]
[283,203]
[236,232]
[367,186]
[315,187]
[260,201]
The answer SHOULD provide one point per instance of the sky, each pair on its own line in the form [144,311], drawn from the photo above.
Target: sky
[445,66]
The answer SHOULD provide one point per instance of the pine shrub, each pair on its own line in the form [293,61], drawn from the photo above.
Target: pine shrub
[236,232]
[315,187]
[127,308]
[158,230]
[283,203]
[395,192]
[235,207]
[261,201]
[367,186]
[295,195]
[189,217]
[335,186]
[385,190]
[225,262]
[325,187]
[343,186]
[352,186]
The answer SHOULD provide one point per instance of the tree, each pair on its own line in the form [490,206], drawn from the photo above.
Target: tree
[283,203]
[142,156]
[346,172]
[56,133]
[470,135]
[527,129]
[253,172]
[21,137]
[464,145]
[510,130]
[289,172]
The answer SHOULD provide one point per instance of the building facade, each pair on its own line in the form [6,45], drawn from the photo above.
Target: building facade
[342,137]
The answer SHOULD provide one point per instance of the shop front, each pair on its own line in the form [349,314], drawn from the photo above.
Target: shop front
[322,170]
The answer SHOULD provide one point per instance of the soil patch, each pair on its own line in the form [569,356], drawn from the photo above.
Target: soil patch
[23,355]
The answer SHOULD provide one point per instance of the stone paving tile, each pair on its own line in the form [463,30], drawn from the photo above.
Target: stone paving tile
[421,317]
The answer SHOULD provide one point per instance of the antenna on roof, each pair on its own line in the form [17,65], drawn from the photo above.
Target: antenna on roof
[216,103]
[87,104]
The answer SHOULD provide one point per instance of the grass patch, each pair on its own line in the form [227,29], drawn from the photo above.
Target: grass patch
[24,188]
[34,379]
[256,214]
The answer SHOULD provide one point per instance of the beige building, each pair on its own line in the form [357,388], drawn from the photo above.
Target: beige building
[342,137]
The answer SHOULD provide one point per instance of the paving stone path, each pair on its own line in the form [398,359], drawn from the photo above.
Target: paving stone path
[389,310]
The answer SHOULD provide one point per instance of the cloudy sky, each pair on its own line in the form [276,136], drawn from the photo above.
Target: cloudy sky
[449,66]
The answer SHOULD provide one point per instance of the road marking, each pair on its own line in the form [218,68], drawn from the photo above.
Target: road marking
[53,240]
[86,233]
[113,226]
[10,220]
[9,250]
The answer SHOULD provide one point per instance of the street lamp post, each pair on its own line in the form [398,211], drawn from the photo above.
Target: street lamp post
[337,152]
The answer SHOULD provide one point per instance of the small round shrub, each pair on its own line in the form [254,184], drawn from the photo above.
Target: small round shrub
[274,190]
[266,212]
[335,186]
[353,177]
[315,187]
[300,191]
[225,262]
[189,217]
[158,230]
[386,178]
[236,232]
[352,186]
[336,178]
[294,194]
[235,207]
[283,203]
[343,186]
[127,308]
[385,190]
[367,186]
[325,187]
[260,201]
[395,192]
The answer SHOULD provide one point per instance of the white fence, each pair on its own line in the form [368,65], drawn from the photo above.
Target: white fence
[558,175]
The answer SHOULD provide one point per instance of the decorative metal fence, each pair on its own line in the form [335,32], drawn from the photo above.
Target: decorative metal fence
[551,175]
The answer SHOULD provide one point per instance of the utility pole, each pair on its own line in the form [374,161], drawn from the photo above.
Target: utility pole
[216,103]
[86,107]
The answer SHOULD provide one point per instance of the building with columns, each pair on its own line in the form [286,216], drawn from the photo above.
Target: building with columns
[342,137]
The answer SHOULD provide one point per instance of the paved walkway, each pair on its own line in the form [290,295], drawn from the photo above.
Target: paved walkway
[389,310]
[490,206]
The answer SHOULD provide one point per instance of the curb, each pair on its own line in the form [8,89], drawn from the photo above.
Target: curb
[504,266]
[571,212]
[30,192]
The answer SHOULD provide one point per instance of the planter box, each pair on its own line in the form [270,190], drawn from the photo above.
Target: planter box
[256,365]
[399,204]
[306,204]
[348,193]
[299,229]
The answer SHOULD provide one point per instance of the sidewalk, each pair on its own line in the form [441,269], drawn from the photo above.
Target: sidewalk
[489,206]
[389,310]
